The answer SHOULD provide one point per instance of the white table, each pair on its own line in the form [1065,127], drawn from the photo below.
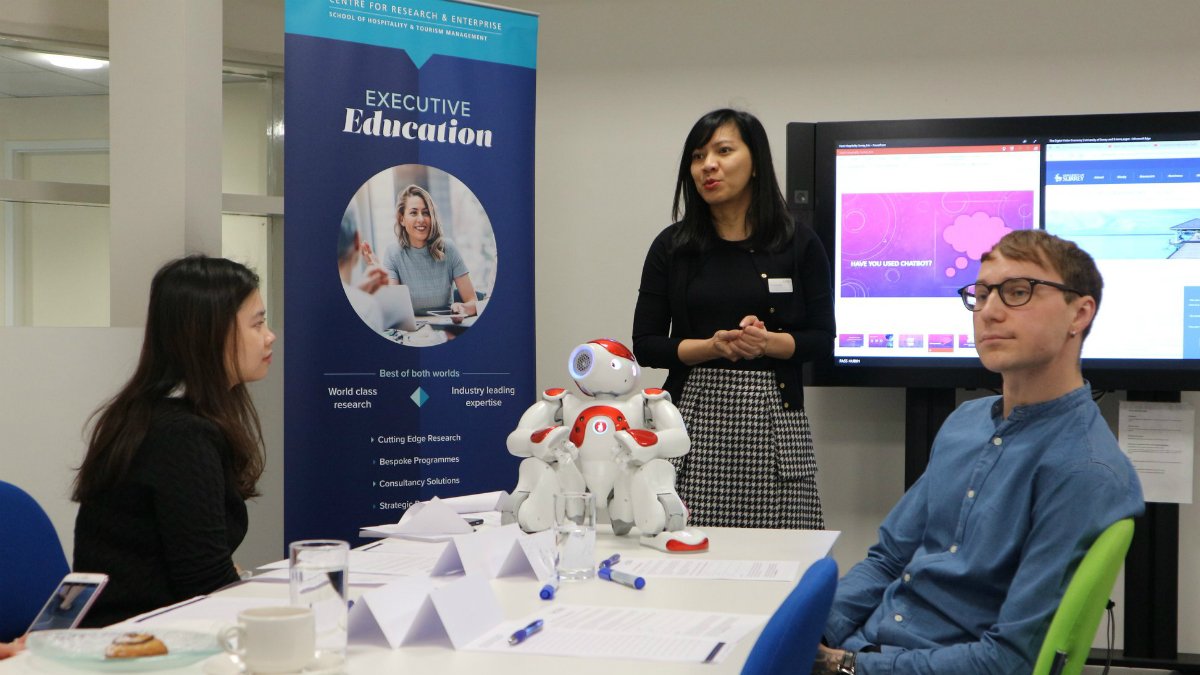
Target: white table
[518,596]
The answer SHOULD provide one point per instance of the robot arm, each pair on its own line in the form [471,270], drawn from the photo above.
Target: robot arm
[540,432]
[664,418]
[669,437]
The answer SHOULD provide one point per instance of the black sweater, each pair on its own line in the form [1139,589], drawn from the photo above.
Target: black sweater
[167,531]
[691,296]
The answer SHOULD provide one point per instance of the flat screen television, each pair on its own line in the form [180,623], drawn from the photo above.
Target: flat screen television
[905,209]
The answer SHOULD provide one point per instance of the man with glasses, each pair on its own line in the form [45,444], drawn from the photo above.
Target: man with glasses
[972,561]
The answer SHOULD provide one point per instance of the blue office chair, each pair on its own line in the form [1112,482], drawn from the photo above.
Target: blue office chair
[789,641]
[33,562]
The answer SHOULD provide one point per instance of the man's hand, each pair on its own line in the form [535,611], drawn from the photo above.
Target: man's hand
[827,660]
[374,278]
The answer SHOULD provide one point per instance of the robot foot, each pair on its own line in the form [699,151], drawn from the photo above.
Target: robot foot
[681,541]
[621,527]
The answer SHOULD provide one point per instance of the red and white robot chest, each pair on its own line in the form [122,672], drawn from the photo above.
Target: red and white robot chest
[593,431]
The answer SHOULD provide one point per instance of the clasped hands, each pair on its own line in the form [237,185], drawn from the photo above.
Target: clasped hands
[748,341]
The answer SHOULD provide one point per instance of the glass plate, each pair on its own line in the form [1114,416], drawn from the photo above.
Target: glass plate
[84,649]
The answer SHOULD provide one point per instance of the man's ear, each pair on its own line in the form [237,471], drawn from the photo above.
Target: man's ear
[1085,313]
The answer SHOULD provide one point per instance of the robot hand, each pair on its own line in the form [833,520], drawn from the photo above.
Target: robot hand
[566,452]
[551,444]
[632,452]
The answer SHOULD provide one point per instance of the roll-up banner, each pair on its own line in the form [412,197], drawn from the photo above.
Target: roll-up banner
[408,255]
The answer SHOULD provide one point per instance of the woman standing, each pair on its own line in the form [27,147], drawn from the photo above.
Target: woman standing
[424,260]
[174,455]
[734,298]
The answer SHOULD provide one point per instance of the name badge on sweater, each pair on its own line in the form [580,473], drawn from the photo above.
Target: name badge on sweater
[783,285]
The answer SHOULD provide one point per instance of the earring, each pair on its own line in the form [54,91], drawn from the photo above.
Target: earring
[1074,333]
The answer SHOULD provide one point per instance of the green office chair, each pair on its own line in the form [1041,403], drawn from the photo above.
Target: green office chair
[1069,638]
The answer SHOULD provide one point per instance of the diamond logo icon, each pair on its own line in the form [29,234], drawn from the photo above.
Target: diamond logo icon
[419,397]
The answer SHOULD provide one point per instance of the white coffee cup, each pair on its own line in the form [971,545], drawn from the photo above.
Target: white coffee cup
[272,639]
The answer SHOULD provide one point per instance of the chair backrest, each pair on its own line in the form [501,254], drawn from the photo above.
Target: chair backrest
[1074,625]
[32,562]
[789,641]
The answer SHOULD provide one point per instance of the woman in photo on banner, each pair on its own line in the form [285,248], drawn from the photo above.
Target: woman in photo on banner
[424,260]
[734,298]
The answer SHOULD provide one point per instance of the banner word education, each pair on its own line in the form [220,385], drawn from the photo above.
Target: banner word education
[446,132]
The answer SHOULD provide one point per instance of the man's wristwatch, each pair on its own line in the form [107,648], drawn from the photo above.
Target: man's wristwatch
[846,667]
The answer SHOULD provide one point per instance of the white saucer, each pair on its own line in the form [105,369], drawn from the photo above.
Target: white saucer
[325,663]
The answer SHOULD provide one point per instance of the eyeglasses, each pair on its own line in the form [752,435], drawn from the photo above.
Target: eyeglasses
[1014,292]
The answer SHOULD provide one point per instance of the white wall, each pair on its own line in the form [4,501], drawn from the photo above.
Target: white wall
[619,84]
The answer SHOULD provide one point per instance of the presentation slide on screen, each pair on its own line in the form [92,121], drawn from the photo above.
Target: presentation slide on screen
[912,222]
[1135,207]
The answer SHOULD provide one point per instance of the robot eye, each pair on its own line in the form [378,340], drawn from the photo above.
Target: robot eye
[616,364]
[583,362]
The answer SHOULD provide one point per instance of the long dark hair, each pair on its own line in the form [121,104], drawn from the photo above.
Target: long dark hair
[191,337]
[768,220]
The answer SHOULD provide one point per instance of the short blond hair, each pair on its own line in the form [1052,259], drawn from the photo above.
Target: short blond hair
[1077,268]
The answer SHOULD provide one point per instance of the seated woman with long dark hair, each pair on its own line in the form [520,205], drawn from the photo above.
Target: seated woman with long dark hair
[173,456]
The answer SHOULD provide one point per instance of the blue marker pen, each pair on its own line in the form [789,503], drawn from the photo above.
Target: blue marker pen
[611,560]
[548,591]
[623,578]
[524,634]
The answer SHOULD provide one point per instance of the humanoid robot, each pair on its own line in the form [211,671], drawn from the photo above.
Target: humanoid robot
[614,444]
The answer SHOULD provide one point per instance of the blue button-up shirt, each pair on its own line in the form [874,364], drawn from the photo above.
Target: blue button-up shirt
[973,560]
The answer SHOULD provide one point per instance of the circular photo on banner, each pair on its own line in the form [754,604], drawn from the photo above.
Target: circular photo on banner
[416,255]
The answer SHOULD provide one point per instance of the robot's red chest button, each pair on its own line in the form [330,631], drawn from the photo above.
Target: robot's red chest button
[602,419]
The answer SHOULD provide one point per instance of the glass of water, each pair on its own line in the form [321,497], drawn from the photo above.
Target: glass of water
[319,568]
[575,525]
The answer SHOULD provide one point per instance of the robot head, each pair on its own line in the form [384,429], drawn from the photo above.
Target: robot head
[604,368]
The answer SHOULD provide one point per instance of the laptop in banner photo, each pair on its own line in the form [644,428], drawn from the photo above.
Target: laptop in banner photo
[396,303]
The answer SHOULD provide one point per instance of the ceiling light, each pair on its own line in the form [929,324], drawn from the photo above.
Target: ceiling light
[74,62]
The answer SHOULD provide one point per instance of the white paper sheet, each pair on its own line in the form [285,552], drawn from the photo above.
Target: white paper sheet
[702,568]
[282,576]
[625,632]
[375,564]
[379,561]
[1160,440]
[485,501]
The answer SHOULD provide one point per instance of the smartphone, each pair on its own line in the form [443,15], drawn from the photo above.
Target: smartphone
[442,312]
[70,601]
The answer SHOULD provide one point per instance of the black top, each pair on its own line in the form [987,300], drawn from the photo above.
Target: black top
[691,296]
[167,531]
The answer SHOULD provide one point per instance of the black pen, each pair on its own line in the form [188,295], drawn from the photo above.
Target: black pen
[524,634]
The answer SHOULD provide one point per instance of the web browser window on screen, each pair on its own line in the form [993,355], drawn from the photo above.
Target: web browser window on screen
[1134,205]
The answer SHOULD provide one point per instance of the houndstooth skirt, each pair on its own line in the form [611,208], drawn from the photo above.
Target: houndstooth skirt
[751,463]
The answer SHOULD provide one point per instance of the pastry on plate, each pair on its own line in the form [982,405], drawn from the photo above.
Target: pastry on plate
[135,645]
